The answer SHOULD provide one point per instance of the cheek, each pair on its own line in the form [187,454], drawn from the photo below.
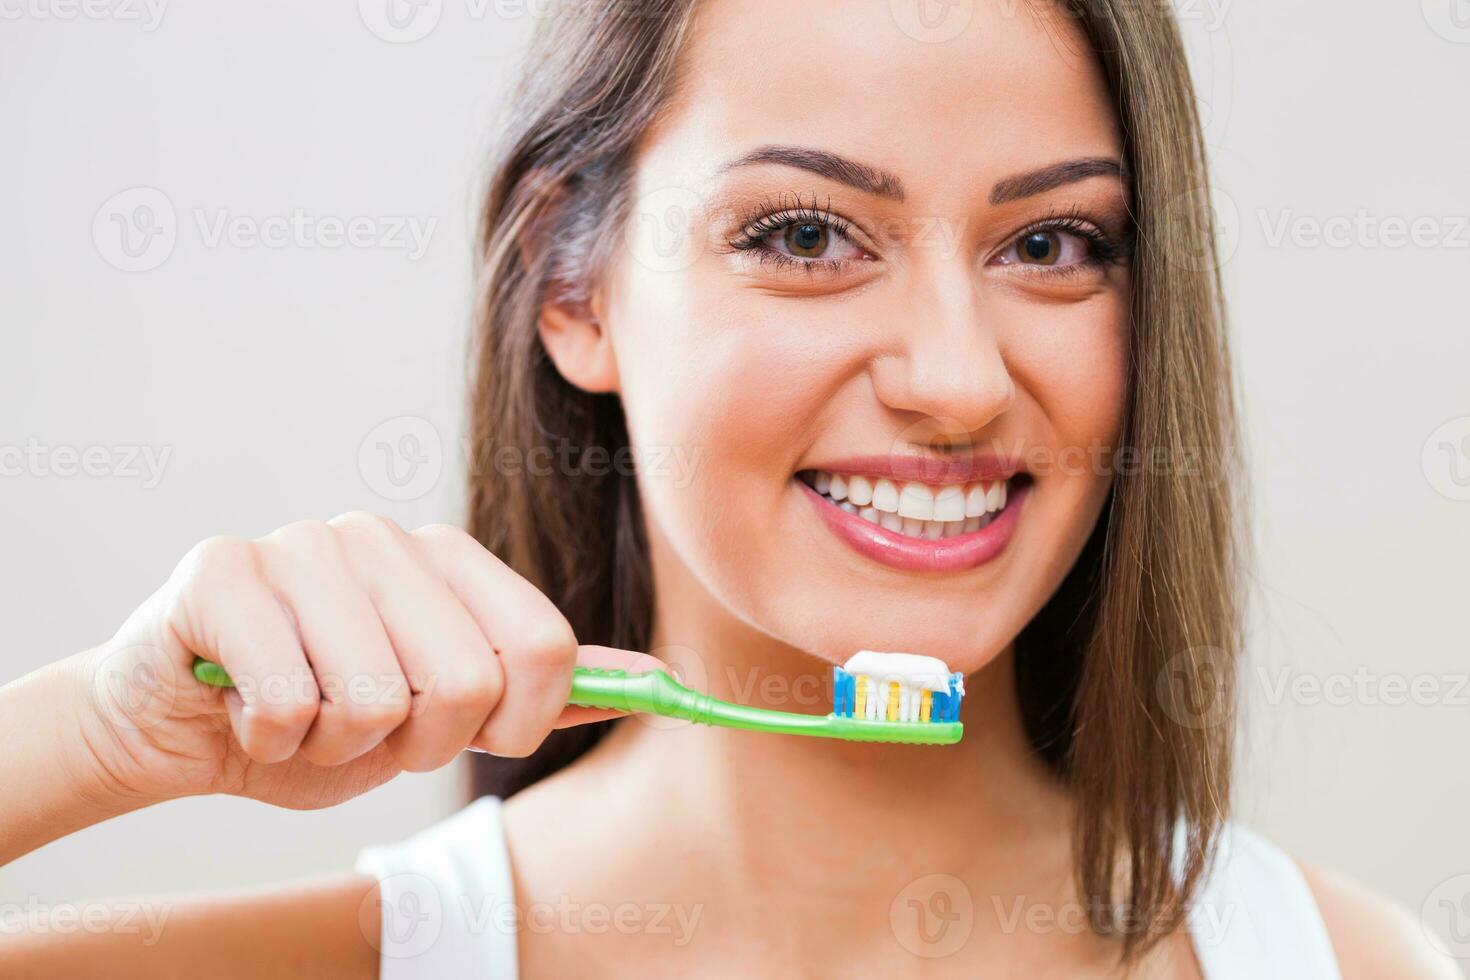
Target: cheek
[702,367]
[1073,363]
[738,390]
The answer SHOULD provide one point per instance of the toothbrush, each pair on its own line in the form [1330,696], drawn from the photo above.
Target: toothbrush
[878,697]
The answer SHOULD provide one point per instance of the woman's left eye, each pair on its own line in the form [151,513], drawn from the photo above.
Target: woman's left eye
[811,240]
[1048,247]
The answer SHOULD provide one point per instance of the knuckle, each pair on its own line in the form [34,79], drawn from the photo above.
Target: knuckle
[367,523]
[548,641]
[512,746]
[280,717]
[221,557]
[304,537]
[417,759]
[379,714]
[442,535]
[469,687]
[374,529]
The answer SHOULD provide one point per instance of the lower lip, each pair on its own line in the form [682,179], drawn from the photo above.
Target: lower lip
[963,551]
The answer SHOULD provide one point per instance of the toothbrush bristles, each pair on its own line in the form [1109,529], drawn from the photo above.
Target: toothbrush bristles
[897,687]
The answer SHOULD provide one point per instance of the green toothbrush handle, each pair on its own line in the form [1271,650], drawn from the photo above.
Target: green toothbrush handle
[656,692]
[594,687]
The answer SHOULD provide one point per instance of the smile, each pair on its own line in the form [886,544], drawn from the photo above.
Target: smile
[918,525]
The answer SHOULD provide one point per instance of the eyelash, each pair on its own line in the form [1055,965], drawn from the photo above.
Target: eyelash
[774,217]
[1103,249]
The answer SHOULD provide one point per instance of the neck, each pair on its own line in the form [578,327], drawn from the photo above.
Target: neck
[762,806]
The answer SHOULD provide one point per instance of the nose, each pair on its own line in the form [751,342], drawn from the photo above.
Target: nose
[946,362]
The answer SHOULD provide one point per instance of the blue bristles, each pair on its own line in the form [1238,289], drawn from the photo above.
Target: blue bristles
[943,706]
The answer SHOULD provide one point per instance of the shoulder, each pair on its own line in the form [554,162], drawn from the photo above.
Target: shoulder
[445,898]
[1371,935]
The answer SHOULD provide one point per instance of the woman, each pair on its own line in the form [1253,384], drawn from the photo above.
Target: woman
[750,267]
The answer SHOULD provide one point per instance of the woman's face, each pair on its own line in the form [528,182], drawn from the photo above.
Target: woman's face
[874,260]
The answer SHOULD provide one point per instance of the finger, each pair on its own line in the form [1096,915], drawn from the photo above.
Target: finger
[225,612]
[452,670]
[532,639]
[608,658]
[364,694]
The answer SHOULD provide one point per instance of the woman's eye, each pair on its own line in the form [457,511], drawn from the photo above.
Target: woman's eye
[1047,247]
[812,240]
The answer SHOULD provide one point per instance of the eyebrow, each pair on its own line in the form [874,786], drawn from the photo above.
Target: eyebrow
[833,166]
[882,183]
[1049,178]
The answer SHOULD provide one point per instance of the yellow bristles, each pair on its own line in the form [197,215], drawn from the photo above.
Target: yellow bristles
[893,701]
[924,700]
[860,701]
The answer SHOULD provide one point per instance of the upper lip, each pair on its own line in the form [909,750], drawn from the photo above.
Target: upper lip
[925,469]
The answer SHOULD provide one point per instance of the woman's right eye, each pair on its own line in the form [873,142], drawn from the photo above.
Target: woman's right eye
[810,238]
[813,240]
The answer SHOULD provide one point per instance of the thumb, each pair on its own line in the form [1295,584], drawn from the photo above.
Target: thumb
[608,658]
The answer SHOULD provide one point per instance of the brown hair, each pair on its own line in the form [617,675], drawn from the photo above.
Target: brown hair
[1112,673]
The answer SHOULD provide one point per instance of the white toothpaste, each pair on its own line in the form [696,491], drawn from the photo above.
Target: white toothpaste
[914,673]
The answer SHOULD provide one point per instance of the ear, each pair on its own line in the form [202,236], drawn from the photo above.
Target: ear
[577,341]
[569,322]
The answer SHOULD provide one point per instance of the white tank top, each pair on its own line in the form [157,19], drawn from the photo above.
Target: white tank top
[449,906]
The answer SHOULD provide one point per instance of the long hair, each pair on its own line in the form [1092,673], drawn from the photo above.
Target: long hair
[1125,678]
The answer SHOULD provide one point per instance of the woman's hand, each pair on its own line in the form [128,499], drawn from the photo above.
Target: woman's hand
[357,649]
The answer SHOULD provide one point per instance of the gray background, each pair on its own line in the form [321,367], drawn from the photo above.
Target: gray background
[263,370]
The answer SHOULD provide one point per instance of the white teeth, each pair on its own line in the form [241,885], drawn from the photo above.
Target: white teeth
[914,509]
[916,501]
[975,501]
[949,504]
[995,496]
[885,496]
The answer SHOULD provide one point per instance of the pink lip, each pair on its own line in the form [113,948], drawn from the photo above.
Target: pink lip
[964,551]
[926,469]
